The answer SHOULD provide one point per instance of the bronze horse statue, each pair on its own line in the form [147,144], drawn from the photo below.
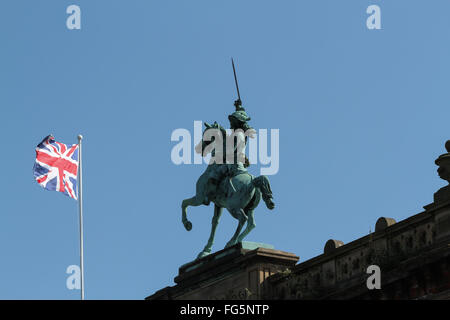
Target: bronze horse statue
[239,194]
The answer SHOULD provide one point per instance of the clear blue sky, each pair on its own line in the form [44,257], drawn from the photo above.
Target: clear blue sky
[362,116]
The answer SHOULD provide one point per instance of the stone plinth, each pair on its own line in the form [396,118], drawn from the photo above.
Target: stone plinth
[237,272]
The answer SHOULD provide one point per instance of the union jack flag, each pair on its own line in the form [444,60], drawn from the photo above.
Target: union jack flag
[56,166]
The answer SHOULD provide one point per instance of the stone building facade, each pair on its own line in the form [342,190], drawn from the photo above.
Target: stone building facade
[413,257]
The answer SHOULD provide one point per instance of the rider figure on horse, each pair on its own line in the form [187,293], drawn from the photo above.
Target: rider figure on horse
[241,130]
[226,181]
[228,158]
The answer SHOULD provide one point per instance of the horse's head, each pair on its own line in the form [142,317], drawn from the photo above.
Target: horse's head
[211,133]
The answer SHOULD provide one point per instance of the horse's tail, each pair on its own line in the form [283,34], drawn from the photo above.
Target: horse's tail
[263,184]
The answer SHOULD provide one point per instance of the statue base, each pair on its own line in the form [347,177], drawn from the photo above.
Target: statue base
[442,195]
[237,272]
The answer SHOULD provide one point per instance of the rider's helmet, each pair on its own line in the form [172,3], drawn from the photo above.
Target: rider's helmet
[240,113]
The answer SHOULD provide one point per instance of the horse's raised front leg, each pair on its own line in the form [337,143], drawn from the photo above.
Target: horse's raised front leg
[214,223]
[240,215]
[250,226]
[194,201]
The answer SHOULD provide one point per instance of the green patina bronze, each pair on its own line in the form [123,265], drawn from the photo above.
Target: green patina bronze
[226,181]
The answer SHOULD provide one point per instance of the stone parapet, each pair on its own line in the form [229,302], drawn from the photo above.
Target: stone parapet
[411,253]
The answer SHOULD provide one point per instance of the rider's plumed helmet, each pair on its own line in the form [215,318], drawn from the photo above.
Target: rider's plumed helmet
[240,113]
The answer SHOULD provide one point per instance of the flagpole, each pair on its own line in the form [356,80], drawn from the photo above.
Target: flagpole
[80,204]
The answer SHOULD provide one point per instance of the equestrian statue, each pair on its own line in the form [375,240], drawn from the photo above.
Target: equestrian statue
[226,181]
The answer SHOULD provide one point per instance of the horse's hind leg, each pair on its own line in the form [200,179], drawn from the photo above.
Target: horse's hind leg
[214,223]
[240,215]
[262,182]
[194,201]
[250,226]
